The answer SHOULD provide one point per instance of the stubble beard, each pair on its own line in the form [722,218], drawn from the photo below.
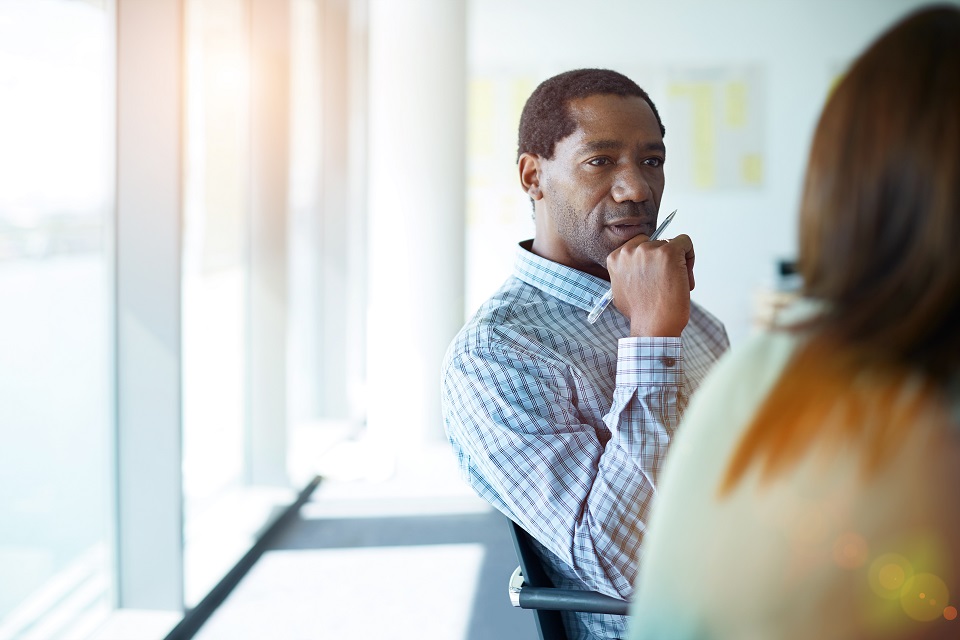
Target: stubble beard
[586,244]
[589,243]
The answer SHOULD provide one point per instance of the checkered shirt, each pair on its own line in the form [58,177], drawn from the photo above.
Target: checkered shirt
[563,425]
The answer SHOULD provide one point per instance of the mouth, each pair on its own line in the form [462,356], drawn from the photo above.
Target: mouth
[627,229]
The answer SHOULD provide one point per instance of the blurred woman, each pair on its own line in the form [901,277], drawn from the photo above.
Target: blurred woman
[812,491]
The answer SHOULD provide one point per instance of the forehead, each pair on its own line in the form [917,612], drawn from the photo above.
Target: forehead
[616,120]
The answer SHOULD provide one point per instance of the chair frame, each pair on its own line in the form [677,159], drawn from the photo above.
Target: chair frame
[531,588]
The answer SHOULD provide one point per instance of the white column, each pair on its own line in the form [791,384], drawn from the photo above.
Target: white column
[269,123]
[148,350]
[335,217]
[417,75]
[357,53]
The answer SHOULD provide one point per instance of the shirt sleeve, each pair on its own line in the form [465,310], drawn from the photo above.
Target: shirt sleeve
[511,414]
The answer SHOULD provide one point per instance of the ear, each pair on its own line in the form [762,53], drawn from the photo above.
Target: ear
[529,166]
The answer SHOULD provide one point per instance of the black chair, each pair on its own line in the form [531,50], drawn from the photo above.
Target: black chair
[531,588]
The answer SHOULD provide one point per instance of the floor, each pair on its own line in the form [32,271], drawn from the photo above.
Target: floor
[404,553]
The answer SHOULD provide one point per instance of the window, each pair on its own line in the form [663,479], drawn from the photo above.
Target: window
[56,325]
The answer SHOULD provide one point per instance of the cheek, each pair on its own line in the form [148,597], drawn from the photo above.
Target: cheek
[658,185]
[591,198]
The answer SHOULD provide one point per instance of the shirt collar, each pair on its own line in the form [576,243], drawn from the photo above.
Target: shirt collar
[564,283]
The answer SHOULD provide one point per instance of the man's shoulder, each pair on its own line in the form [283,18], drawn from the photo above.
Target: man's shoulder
[496,314]
[509,320]
[502,306]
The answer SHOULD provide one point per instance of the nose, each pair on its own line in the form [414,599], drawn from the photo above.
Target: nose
[631,185]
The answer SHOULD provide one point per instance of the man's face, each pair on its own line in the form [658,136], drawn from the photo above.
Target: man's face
[603,184]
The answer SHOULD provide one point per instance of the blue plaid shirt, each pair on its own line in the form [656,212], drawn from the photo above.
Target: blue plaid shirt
[563,425]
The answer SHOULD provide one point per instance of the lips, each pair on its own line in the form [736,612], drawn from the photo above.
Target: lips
[627,229]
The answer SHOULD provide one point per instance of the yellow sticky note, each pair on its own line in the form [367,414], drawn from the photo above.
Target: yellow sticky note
[521,88]
[480,115]
[704,136]
[736,105]
[751,169]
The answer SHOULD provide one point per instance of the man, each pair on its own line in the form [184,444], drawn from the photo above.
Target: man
[562,424]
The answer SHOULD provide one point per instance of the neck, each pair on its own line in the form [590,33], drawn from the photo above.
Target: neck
[559,255]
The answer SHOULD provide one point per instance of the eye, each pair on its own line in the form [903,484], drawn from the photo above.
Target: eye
[599,162]
[653,162]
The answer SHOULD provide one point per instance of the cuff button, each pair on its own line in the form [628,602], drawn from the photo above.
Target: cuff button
[668,361]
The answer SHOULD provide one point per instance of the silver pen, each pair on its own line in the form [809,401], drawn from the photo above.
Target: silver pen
[608,296]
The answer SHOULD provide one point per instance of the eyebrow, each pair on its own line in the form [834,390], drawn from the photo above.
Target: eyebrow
[608,145]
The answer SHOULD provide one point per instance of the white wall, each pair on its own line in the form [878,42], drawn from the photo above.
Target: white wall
[799,46]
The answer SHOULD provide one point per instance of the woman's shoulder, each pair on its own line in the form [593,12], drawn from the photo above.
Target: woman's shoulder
[725,403]
[744,374]
[750,367]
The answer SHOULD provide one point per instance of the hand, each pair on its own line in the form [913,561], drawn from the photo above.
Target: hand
[651,282]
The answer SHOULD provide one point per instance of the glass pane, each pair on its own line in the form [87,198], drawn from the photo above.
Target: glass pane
[214,286]
[56,325]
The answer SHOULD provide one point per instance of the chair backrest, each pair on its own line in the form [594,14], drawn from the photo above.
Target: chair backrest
[549,623]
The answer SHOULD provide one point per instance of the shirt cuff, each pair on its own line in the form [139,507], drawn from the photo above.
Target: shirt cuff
[649,361]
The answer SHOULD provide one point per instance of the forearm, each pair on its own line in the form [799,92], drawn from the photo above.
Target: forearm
[648,402]
[649,398]
[549,466]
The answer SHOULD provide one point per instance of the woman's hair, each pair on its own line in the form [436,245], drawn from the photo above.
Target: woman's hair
[879,244]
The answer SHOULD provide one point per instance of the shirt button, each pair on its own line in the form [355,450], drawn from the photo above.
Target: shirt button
[668,361]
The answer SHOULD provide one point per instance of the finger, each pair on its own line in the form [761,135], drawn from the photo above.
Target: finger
[630,247]
[683,243]
[636,240]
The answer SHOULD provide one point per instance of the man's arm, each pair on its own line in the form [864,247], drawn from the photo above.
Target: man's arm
[512,415]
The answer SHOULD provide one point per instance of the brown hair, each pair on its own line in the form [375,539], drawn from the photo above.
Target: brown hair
[879,236]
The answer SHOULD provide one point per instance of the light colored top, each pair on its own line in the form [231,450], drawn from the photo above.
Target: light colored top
[821,551]
[562,424]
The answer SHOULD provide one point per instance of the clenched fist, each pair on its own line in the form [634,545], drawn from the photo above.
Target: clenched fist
[651,282]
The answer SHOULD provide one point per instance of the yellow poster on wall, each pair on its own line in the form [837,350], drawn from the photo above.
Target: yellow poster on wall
[714,121]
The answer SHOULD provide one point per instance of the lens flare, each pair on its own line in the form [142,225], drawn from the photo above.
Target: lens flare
[850,550]
[923,597]
[888,574]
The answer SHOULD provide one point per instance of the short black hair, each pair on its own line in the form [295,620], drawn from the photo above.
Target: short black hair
[546,116]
